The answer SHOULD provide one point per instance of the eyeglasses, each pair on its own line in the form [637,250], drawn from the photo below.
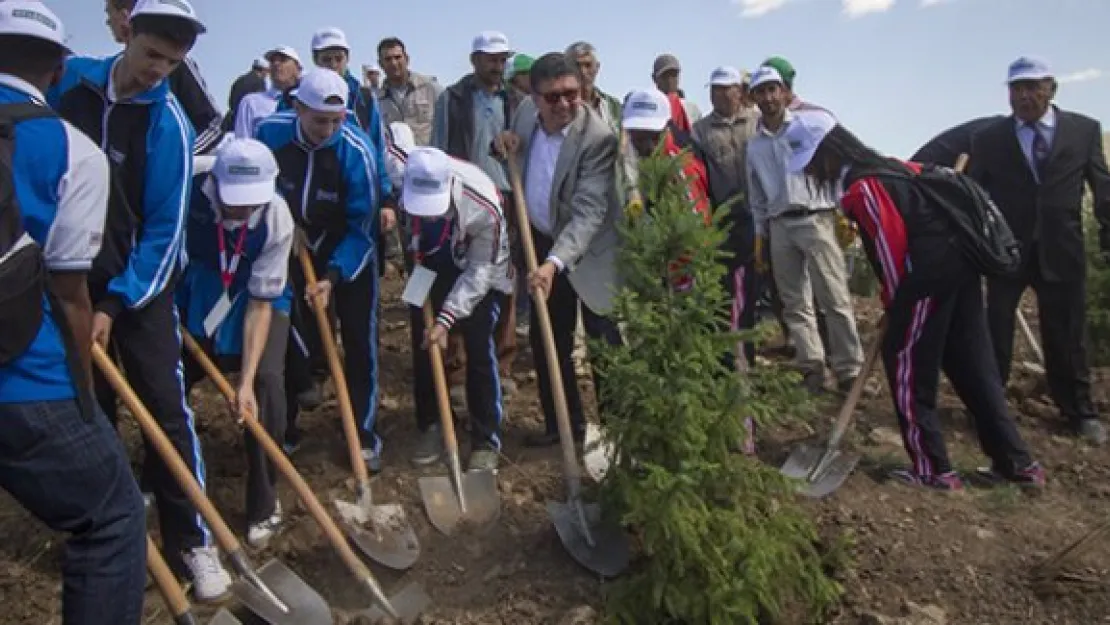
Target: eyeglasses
[553,97]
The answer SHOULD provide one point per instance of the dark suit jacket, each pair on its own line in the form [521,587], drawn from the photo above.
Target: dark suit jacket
[1048,212]
[945,148]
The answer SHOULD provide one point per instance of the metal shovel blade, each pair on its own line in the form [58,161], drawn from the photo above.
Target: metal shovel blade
[598,453]
[410,603]
[306,606]
[482,499]
[382,532]
[819,469]
[223,617]
[609,554]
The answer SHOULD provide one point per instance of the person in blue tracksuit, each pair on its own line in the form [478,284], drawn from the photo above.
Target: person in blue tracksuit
[59,457]
[235,299]
[329,176]
[123,103]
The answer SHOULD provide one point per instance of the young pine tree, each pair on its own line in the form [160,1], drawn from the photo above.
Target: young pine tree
[722,538]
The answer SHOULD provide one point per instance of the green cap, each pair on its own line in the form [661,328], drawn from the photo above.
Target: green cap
[519,64]
[783,67]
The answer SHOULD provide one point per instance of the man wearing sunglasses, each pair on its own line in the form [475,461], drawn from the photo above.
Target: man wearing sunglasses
[569,155]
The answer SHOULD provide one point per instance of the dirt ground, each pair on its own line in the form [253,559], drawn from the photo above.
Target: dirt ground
[921,558]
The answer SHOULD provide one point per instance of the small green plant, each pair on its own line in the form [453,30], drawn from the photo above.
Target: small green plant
[722,536]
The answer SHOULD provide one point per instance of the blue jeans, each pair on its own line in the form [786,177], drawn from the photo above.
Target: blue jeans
[73,475]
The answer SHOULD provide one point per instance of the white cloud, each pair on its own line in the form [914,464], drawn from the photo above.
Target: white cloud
[759,8]
[856,8]
[933,3]
[1084,75]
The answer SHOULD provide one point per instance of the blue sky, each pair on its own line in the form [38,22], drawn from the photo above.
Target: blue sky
[894,71]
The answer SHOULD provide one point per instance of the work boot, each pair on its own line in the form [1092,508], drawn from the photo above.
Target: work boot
[429,448]
[483,459]
[1092,431]
[259,534]
[211,583]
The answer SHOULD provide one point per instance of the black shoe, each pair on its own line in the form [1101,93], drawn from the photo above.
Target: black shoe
[311,399]
[550,439]
[845,385]
[814,382]
[1092,431]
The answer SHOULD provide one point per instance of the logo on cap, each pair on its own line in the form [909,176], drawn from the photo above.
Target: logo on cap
[244,170]
[28,14]
[498,39]
[644,105]
[425,183]
[1023,64]
[179,4]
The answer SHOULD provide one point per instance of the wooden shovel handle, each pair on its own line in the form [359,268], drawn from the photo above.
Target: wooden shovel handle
[327,337]
[844,417]
[281,461]
[163,578]
[166,450]
[539,300]
[443,397]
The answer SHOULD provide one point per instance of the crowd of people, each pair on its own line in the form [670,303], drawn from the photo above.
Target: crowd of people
[132,210]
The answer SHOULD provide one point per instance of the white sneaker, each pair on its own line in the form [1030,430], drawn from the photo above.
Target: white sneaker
[211,583]
[259,534]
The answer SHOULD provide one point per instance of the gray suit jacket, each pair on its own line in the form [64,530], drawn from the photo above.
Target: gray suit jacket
[584,203]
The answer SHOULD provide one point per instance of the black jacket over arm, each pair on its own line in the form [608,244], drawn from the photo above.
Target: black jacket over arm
[1048,213]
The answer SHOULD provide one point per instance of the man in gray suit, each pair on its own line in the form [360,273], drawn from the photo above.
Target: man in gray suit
[569,157]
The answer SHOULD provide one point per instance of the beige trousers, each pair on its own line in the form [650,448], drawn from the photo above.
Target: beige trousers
[805,252]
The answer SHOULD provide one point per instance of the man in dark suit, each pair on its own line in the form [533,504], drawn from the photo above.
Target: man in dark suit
[1034,164]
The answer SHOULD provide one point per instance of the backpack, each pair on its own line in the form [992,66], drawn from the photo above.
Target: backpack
[22,266]
[979,229]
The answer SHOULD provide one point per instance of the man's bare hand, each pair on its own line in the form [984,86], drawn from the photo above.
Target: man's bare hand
[542,278]
[101,329]
[505,144]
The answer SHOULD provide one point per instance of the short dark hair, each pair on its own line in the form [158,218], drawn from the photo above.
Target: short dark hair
[29,57]
[551,66]
[123,4]
[178,31]
[391,42]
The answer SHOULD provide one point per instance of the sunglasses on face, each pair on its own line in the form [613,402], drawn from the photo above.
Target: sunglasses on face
[553,97]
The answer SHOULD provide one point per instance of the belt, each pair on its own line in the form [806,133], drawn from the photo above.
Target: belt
[796,213]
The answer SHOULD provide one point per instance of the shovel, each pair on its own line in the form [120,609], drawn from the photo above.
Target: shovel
[382,532]
[173,595]
[471,497]
[1033,367]
[823,469]
[273,592]
[413,600]
[602,548]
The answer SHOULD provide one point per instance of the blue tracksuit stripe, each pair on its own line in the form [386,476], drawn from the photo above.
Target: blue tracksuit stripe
[371,416]
[495,312]
[368,226]
[191,427]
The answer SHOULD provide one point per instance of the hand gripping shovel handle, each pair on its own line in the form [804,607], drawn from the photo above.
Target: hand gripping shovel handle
[443,400]
[281,461]
[167,585]
[562,414]
[346,410]
[181,473]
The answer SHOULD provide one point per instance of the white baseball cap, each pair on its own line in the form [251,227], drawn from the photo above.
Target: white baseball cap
[330,37]
[372,67]
[245,170]
[1028,68]
[726,77]
[646,109]
[169,8]
[287,51]
[31,19]
[766,74]
[427,188]
[804,133]
[321,85]
[491,42]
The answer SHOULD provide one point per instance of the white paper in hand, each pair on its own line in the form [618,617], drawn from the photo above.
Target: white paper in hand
[419,286]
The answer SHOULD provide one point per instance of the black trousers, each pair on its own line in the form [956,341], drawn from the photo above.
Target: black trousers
[741,284]
[269,390]
[947,331]
[483,380]
[562,306]
[149,347]
[355,307]
[1063,323]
